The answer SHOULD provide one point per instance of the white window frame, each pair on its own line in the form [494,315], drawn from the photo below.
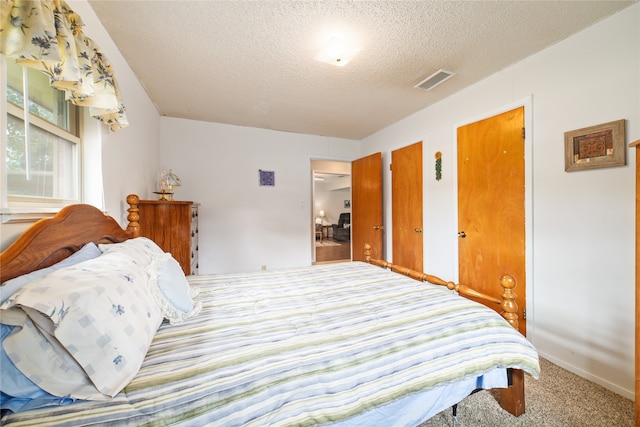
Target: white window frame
[24,208]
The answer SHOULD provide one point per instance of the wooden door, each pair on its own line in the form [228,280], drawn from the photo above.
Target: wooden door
[406,206]
[366,206]
[491,205]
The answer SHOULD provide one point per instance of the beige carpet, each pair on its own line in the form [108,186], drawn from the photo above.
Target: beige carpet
[323,243]
[558,398]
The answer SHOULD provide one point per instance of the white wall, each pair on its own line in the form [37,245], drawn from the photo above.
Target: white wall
[244,226]
[130,156]
[581,240]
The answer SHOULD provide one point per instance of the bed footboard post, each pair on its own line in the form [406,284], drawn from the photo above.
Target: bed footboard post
[511,399]
[134,226]
[508,304]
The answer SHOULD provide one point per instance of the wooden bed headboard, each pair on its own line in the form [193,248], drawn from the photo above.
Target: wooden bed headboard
[51,240]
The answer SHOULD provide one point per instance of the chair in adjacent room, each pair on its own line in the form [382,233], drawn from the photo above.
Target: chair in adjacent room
[342,230]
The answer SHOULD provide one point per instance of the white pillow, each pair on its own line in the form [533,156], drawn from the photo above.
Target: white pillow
[99,315]
[171,290]
[141,249]
[87,252]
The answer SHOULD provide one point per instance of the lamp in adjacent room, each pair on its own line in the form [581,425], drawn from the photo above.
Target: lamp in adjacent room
[320,225]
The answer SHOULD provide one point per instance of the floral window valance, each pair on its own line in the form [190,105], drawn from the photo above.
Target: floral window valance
[47,35]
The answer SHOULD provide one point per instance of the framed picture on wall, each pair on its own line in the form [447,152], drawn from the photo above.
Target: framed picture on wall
[267,178]
[600,146]
[347,204]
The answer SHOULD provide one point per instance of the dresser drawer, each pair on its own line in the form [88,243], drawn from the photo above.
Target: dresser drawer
[194,240]
[173,225]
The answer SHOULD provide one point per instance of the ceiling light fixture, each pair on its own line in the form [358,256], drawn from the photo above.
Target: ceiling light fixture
[337,52]
[435,79]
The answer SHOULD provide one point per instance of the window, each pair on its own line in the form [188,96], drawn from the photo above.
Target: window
[42,167]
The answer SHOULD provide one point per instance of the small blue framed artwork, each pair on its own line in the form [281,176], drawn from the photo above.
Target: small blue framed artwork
[267,178]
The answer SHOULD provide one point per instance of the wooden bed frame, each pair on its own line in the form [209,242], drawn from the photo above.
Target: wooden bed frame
[52,239]
[510,399]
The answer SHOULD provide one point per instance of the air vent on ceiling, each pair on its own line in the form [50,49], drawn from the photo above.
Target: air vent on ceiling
[435,79]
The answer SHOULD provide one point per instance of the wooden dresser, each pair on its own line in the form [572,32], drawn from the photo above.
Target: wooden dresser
[173,225]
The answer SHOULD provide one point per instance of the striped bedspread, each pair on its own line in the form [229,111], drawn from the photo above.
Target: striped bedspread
[321,345]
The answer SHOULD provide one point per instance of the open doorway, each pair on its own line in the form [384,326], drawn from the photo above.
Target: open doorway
[331,214]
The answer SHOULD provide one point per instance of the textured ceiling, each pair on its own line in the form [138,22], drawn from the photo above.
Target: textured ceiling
[250,63]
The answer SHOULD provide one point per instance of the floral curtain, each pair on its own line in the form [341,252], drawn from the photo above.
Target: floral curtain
[47,35]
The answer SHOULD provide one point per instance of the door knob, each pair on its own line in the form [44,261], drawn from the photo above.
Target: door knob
[418,230]
[378,227]
[462,234]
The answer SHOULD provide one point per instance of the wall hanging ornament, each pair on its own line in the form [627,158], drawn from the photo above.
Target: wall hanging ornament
[267,178]
[438,166]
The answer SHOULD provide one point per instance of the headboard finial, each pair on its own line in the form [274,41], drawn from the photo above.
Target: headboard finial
[509,305]
[134,216]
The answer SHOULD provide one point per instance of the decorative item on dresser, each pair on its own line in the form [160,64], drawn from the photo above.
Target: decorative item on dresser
[173,225]
[168,180]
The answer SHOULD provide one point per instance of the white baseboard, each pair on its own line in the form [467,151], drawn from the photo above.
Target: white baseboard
[629,394]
